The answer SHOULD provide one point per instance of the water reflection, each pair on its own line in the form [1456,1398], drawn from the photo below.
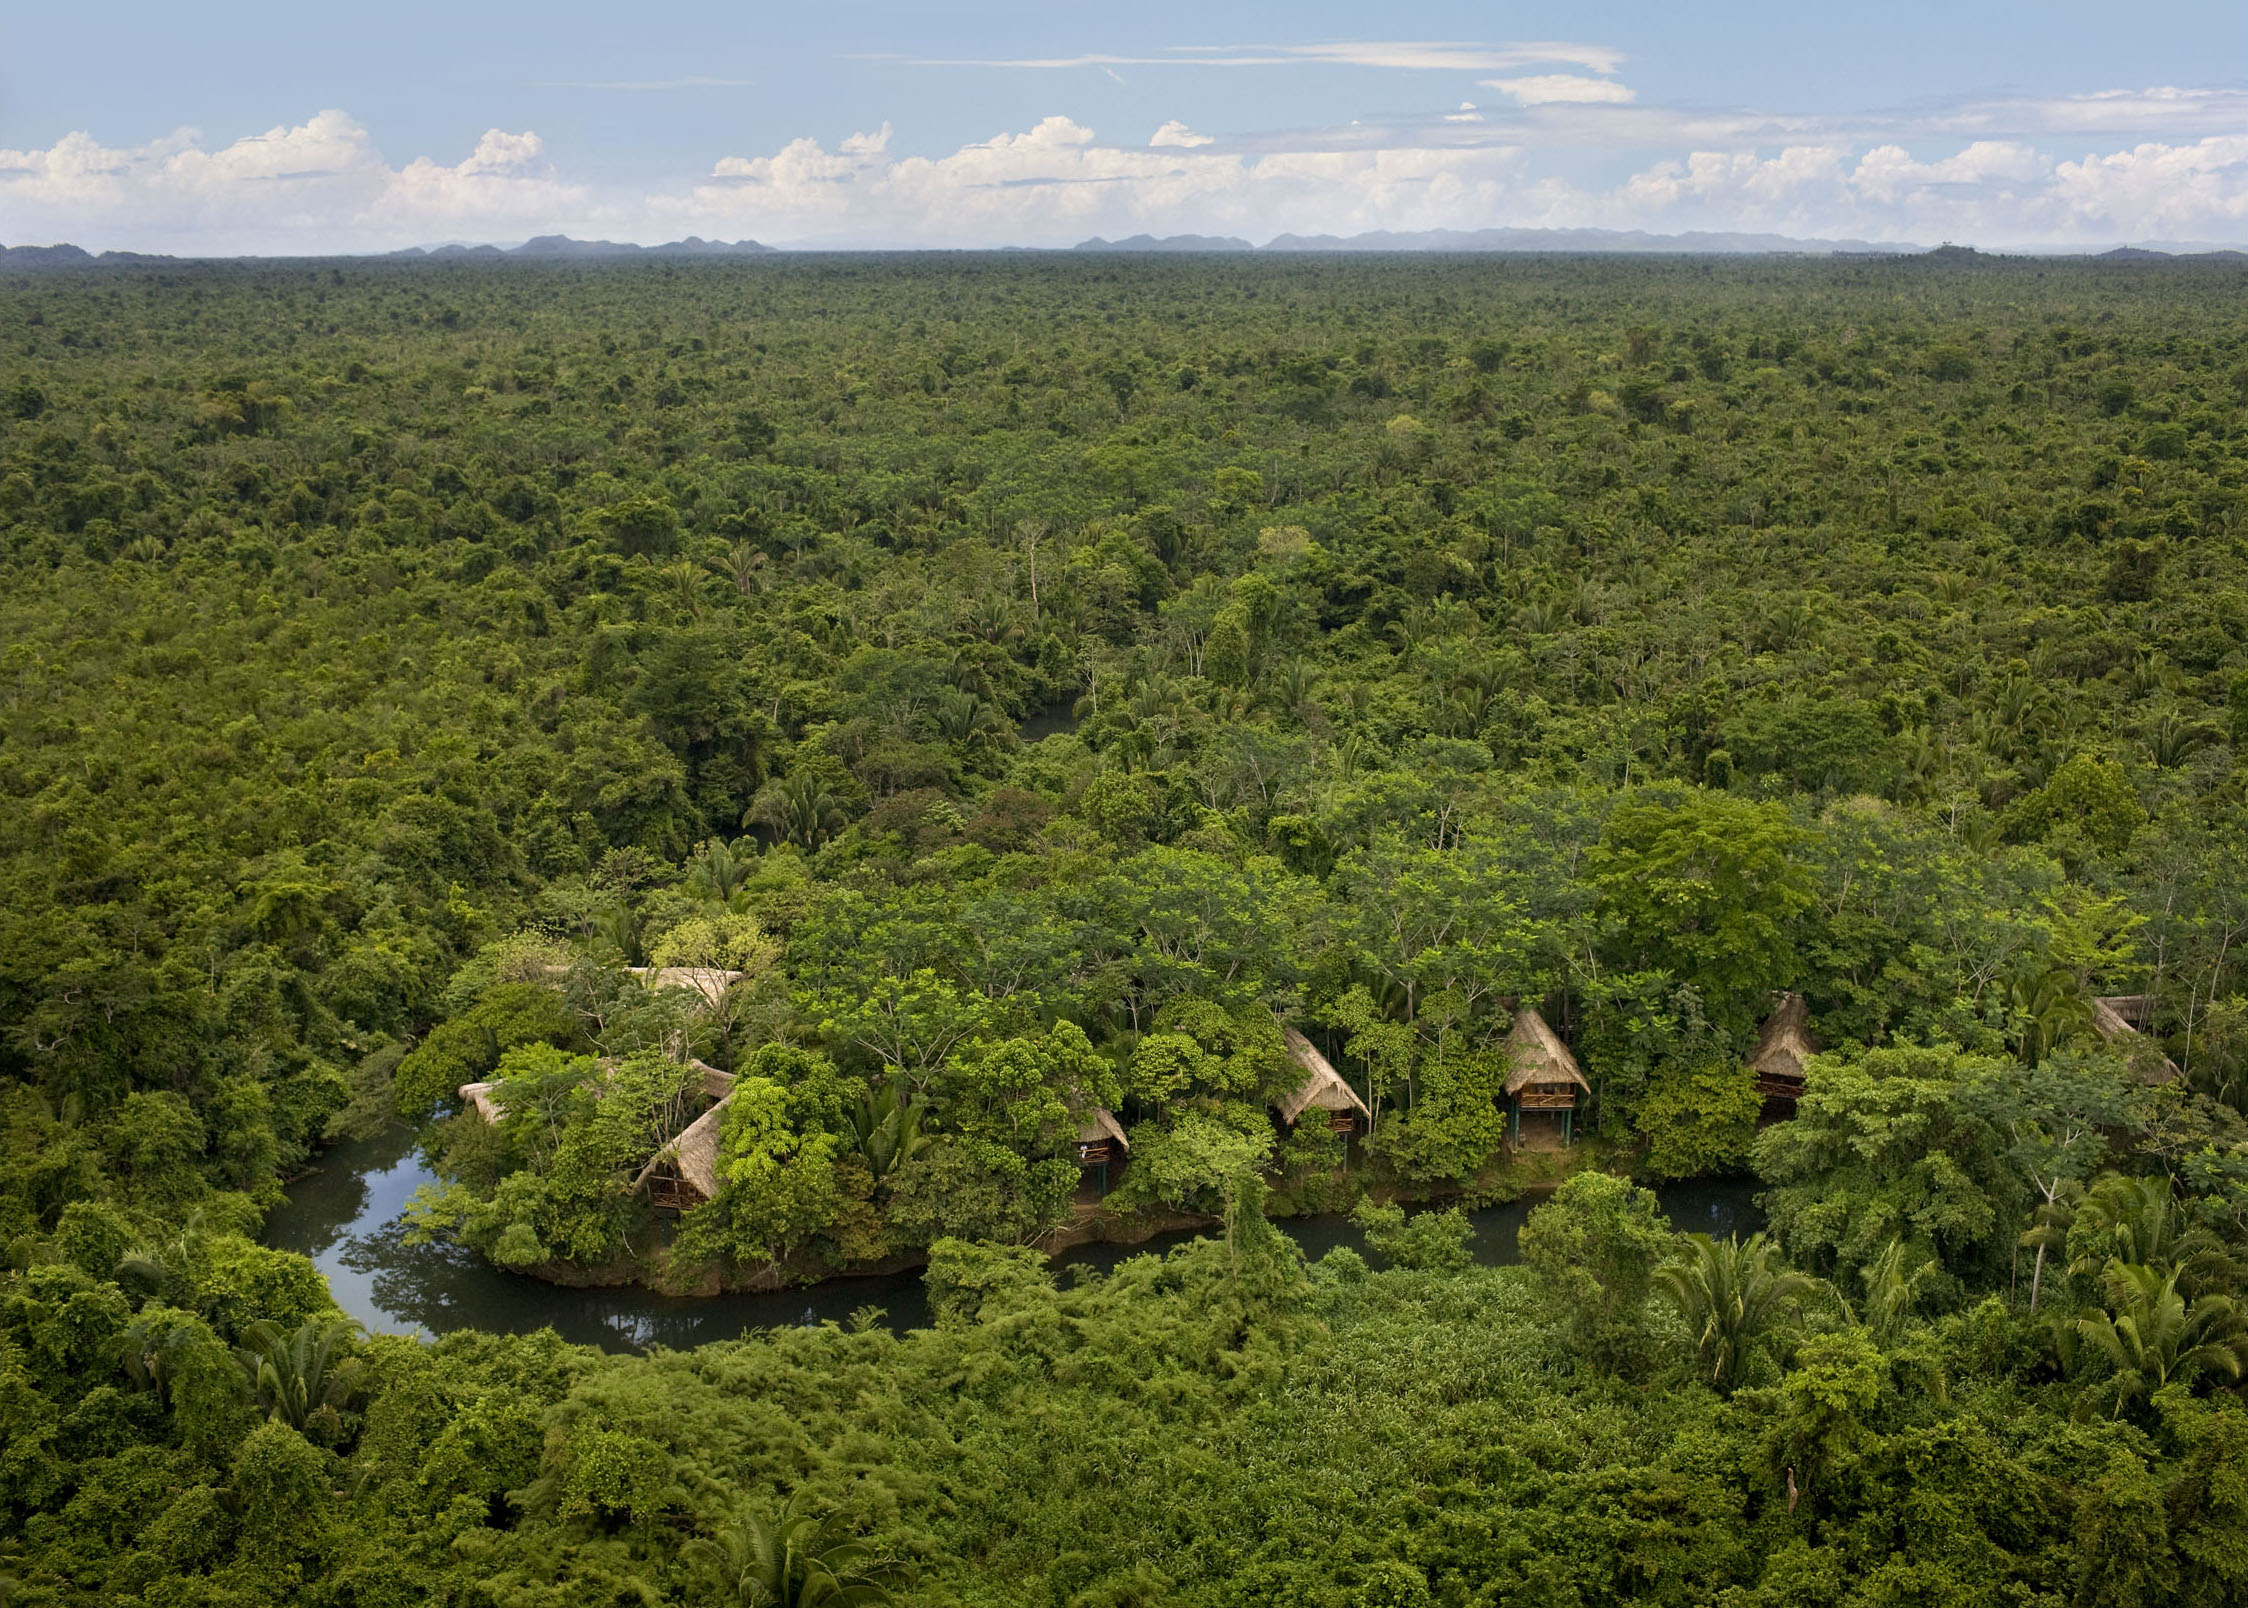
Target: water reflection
[345,1216]
[1057,717]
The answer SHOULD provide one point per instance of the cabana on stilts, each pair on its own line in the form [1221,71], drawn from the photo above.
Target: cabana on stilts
[1782,1047]
[1100,1140]
[1542,1076]
[1322,1089]
[2122,1020]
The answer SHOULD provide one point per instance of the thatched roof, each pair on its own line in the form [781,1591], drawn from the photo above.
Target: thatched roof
[1101,1124]
[2112,1019]
[711,982]
[2137,1009]
[694,1153]
[1537,1055]
[1786,1042]
[716,1085]
[1322,1086]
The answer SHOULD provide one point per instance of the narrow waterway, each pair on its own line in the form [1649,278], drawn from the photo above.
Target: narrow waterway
[344,1214]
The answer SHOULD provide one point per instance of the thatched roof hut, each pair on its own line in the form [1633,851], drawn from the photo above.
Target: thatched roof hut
[1101,1128]
[1540,1071]
[711,982]
[684,1173]
[2119,1018]
[1322,1089]
[1782,1048]
[480,1098]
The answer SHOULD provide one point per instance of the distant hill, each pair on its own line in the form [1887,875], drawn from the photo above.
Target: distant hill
[1148,242]
[1631,240]
[556,247]
[563,246]
[69,256]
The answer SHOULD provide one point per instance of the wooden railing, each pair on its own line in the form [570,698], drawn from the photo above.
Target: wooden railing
[1547,1100]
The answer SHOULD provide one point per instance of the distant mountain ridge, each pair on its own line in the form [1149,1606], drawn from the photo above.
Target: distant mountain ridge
[547,247]
[556,245]
[1696,242]
[69,256]
[1182,242]
[1619,242]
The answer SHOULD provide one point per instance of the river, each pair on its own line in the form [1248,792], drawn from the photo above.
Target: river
[345,1212]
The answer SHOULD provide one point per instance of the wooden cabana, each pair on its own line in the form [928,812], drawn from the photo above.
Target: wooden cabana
[684,1173]
[1100,1140]
[2122,1020]
[1322,1089]
[1542,1076]
[1782,1048]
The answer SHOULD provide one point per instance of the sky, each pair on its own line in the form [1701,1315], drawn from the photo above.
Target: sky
[253,126]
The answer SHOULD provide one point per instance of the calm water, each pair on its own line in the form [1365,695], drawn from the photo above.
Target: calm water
[1059,717]
[345,1216]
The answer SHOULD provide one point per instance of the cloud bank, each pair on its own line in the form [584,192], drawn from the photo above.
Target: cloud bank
[318,186]
[1994,173]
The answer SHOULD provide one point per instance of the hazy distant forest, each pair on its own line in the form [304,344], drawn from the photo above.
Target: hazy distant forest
[1027,684]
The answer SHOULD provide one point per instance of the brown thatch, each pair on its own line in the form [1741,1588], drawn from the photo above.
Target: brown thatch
[2113,1019]
[1537,1055]
[1323,1087]
[1101,1125]
[691,1159]
[711,982]
[2137,1009]
[716,1085]
[1783,1046]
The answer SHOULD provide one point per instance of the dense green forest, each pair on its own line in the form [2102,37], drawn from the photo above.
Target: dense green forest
[1027,684]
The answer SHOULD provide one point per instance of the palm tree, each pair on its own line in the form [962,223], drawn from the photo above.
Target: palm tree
[162,1271]
[744,565]
[2154,1338]
[1892,1288]
[2137,1220]
[684,580]
[804,811]
[155,1349]
[795,1561]
[2049,1006]
[720,869]
[888,1126]
[294,1374]
[1732,1294]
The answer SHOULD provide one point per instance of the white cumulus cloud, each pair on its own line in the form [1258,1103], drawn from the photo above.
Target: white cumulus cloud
[323,185]
[320,185]
[1551,89]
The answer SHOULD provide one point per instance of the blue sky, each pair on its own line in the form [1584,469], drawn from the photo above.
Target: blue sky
[272,127]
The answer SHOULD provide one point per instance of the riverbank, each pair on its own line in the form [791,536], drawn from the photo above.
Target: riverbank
[345,1214]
